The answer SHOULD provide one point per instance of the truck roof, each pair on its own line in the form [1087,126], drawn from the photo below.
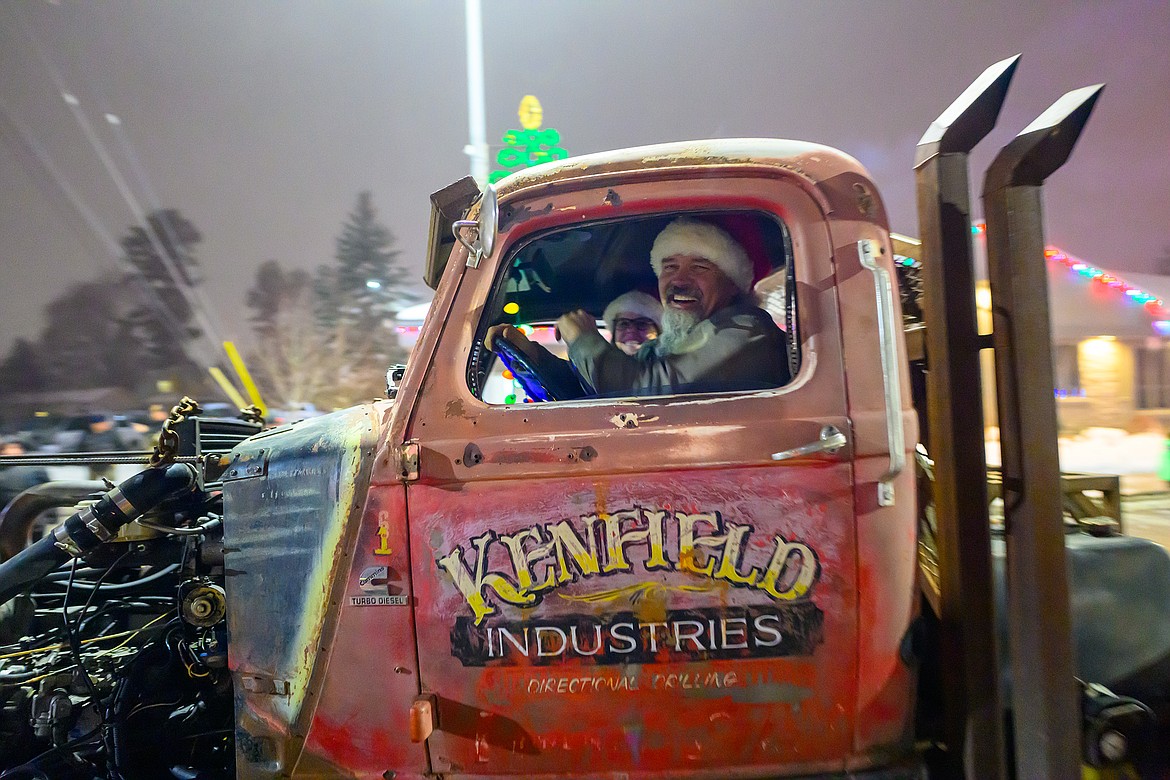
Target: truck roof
[814,162]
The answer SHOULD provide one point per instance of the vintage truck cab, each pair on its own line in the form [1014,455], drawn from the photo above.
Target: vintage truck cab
[702,584]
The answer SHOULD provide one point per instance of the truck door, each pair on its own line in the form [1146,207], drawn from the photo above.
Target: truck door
[637,584]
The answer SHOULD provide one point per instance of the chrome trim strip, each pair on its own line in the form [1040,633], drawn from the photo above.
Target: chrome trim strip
[868,251]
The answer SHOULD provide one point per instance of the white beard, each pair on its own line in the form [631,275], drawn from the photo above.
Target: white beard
[677,326]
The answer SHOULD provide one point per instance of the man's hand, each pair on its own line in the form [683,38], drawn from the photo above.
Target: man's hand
[575,324]
[513,335]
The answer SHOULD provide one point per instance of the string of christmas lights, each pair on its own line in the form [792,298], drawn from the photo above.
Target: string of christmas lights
[1153,305]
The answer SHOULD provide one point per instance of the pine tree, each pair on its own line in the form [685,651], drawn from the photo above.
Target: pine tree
[161,253]
[23,370]
[274,291]
[360,290]
[355,297]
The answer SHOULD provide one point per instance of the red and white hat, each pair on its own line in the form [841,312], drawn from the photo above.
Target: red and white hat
[634,302]
[695,238]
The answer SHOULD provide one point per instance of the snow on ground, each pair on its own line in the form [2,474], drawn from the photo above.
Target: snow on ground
[1101,451]
[1112,451]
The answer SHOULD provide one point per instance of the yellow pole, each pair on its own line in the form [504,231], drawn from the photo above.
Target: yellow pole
[231,392]
[245,377]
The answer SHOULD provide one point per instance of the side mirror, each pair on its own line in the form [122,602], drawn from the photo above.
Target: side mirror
[485,228]
[393,377]
[447,206]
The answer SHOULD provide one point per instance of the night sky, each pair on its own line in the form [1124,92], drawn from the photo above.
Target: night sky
[261,121]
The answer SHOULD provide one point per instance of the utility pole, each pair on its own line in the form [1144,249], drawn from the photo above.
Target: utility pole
[477,148]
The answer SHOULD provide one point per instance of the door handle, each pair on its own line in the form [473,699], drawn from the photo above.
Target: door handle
[830,440]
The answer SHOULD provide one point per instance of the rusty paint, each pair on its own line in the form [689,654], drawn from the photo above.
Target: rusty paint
[666,678]
[783,714]
[522,456]
[810,161]
[512,215]
[865,202]
[362,719]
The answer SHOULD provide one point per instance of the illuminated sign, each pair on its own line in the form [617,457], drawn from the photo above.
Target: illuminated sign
[530,145]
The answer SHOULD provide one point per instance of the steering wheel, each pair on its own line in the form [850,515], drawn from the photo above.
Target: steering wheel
[542,386]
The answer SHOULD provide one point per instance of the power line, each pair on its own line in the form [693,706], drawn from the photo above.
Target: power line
[209,331]
[111,246]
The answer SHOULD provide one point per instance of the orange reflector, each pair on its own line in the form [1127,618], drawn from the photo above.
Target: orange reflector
[422,718]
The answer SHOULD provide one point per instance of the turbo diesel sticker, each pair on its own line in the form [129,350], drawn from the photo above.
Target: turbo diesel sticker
[521,568]
[378,591]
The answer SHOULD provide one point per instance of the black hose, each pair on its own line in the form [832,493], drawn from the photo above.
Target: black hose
[89,527]
[17,518]
[170,568]
[28,566]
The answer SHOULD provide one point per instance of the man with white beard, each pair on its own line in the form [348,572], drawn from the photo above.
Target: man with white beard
[714,338]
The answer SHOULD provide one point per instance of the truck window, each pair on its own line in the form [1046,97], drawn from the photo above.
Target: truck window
[747,344]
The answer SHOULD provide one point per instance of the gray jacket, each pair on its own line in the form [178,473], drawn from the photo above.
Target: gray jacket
[738,347]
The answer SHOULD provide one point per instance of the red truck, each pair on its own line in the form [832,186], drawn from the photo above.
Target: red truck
[485,577]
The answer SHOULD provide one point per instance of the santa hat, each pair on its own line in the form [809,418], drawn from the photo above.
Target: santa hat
[694,238]
[634,302]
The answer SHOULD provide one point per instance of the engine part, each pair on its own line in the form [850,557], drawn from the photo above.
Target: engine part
[1116,729]
[88,528]
[133,683]
[51,713]
[210,648]
[16,520]
[202,603]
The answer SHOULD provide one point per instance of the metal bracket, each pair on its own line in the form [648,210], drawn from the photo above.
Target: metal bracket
[94,525]
[63,541]
[485,228]
[262,684]
[255,466]
[473,251]
[408,465]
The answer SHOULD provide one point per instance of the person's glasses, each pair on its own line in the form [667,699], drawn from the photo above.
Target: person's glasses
[639,325]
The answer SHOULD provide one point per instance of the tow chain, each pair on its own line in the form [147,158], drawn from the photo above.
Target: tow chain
[166,449]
